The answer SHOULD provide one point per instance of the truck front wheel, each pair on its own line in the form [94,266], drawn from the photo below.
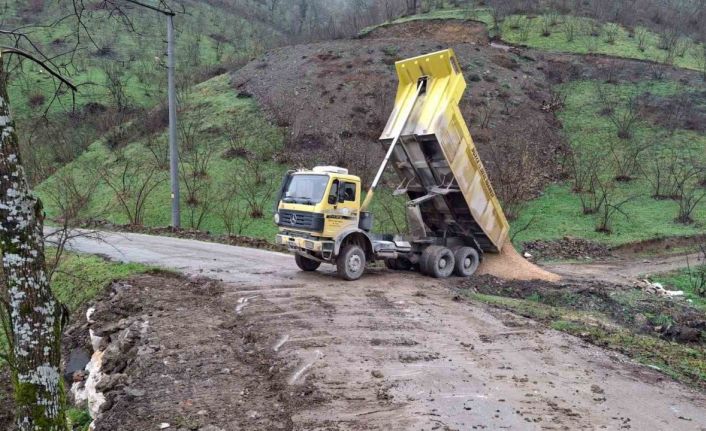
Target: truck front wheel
[351,262]
[306,264]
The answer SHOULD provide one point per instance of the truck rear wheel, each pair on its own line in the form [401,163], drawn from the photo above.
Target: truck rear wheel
[437,261]
[350,263]
[306,264]
[467,260]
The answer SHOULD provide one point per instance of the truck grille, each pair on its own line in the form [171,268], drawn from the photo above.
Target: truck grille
[301,220]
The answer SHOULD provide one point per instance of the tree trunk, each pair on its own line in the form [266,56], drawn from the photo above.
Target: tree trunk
[35,315]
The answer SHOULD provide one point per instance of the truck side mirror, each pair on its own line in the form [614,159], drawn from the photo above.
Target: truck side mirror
[333,195]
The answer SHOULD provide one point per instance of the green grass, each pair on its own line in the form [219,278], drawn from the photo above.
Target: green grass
[78,419]
[520,29]
[680,361]
[557,213]
[220,111]
[685,279]
[214,107]
[80,277]
[144,78]
[528,30]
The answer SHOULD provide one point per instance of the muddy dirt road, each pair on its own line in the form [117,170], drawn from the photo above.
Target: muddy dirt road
[395,351]
[624,271]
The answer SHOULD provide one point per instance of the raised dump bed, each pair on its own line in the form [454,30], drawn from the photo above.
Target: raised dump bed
[438,164]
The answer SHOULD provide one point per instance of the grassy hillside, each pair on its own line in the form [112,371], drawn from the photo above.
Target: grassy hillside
[577,35]
[134,53]
[233,158]
[558,212]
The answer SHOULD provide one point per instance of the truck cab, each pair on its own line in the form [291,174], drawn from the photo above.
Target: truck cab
[318,214]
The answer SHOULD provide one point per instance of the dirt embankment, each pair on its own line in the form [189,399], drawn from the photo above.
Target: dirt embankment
[176,351]
[334,98]
[448,31]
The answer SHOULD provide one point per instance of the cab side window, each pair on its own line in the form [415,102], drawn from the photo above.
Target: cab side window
[349,190]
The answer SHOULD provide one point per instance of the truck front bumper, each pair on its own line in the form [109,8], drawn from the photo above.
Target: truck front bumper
[323,249]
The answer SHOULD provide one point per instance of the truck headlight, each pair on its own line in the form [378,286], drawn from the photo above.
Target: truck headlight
[276,218]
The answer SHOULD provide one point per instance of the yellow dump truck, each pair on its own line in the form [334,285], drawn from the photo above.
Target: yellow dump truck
[453,213]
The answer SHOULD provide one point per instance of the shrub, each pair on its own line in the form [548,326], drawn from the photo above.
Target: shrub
[36,100]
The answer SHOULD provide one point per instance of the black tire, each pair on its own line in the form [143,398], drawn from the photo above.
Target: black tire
[440,263]
[403,264]
[467,260]
[306,264]
[350,263]
[424,260]
[399,264]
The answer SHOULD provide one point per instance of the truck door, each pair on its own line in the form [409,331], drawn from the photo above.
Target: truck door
[344,203]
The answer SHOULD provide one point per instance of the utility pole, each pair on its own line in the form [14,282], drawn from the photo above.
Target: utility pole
[173,148]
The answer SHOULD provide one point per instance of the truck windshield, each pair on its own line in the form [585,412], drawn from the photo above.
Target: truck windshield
[306,189]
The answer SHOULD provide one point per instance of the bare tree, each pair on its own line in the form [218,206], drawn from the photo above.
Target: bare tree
[116,82]
[659,172]
[611,32]
[256,187]
[610,205]
[570,28]
[623,112]
[232,210]
[641,35]
[627,157]
[516,173]
[689,192]
[132,182]
[195,158]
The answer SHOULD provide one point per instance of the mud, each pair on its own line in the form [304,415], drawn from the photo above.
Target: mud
[342,92]
[661,246]
[177,352]
[623,305]
[440,30]
[566,248]
[394,351]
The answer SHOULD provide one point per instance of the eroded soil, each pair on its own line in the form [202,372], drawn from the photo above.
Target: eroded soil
[179,353]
